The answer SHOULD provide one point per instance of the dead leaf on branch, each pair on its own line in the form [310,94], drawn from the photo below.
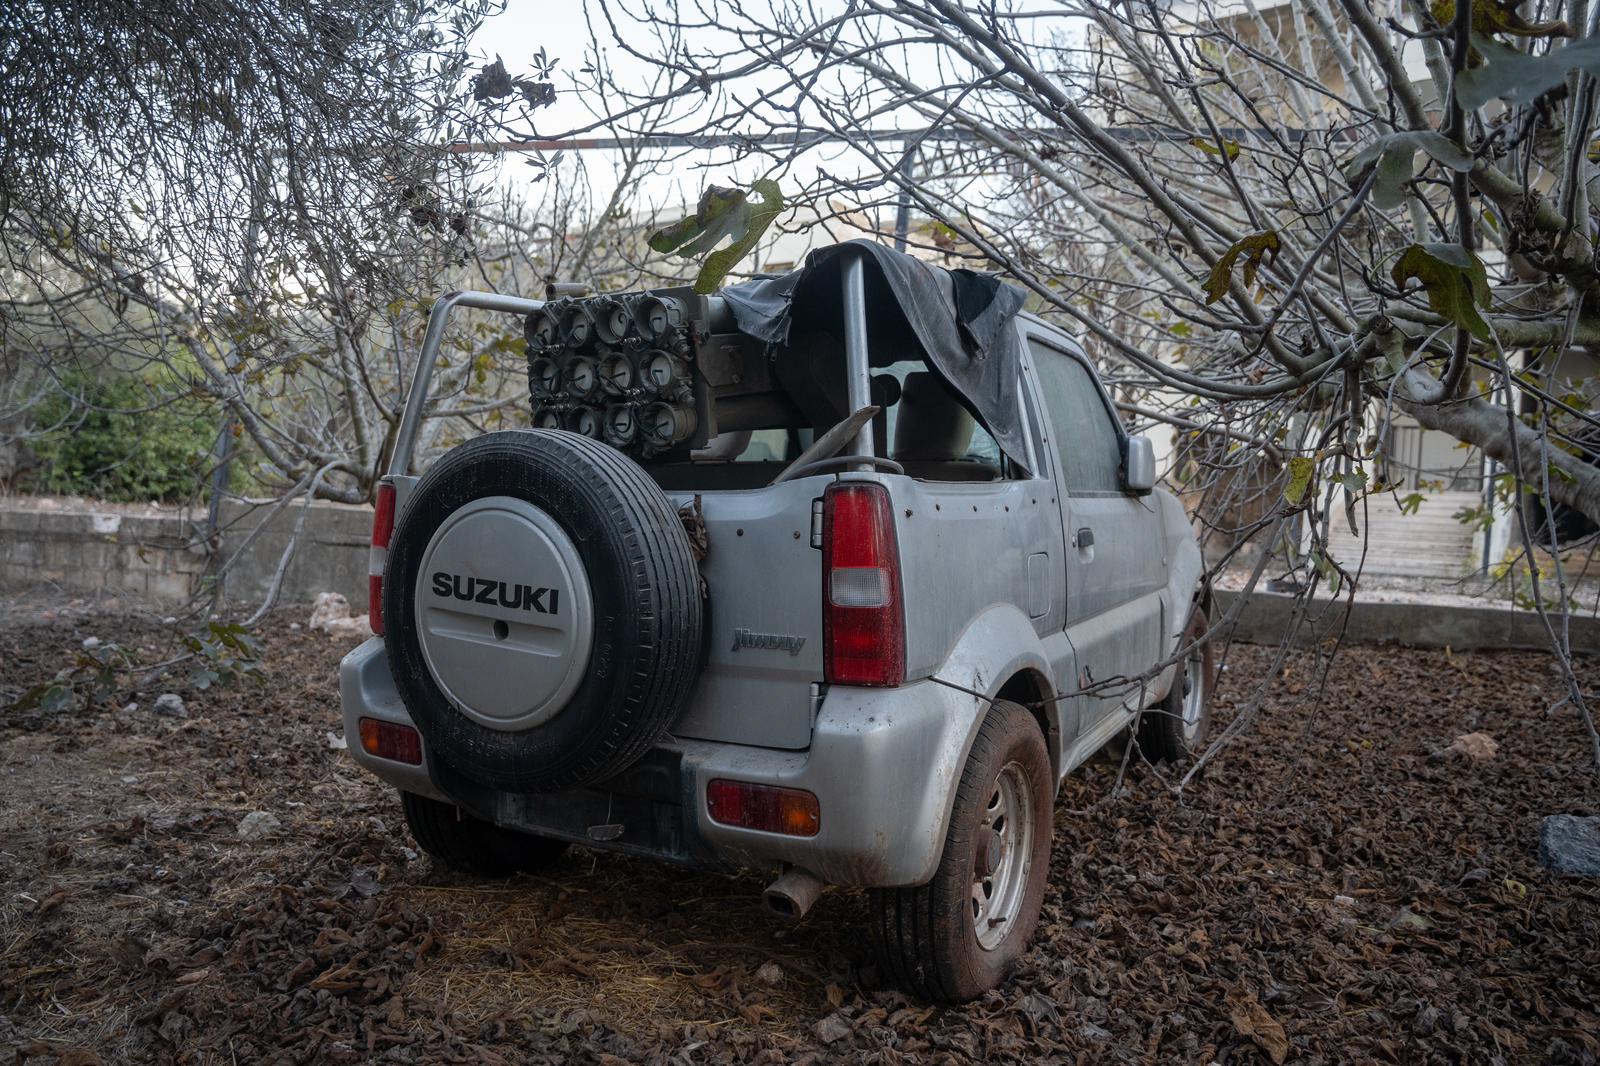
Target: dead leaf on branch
[1254,247]
[1300,470]
[729,213]
[494,82]
[1455,280]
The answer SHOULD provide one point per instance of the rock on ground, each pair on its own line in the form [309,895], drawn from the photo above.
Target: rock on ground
[832,1028]
[1570,845]
[331,614]
[170,703]
[1479,747]
[258,824]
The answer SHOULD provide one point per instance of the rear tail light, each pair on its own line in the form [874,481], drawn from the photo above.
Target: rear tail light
[391,740]
[378,555]
[789,811]
[863,619]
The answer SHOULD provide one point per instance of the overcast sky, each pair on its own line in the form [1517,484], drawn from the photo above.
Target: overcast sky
[558,26]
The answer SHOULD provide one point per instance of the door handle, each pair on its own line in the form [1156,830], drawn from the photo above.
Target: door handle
[1084,539]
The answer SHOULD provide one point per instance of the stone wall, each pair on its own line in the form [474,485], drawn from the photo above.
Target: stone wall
[330,556]
[82,547]
[158,553]
[1268,615]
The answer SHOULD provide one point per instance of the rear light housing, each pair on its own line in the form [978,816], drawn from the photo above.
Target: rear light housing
[391,740]
[789,811]
[378,554]
[863,617]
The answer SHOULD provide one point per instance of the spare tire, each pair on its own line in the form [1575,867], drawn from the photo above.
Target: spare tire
[541,610]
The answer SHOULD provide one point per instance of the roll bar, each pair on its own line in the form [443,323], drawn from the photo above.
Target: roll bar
[857,370]
[858,374]
[405,440]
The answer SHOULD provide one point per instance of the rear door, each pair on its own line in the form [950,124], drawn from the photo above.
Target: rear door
[1114,546]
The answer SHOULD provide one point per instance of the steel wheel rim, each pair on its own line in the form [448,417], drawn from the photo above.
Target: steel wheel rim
[997,897]
[1194,696]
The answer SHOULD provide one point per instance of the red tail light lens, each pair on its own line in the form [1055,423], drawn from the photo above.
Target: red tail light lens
[863,619]
[378,555]
[391,740]
[790,811]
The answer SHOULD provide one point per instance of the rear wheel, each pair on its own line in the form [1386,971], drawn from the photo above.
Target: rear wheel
[960,934]
[1176,728]
[470,845]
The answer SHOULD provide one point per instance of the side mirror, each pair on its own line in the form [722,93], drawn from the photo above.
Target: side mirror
[1139,471]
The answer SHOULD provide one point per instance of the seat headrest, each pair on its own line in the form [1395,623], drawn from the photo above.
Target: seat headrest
[930,423]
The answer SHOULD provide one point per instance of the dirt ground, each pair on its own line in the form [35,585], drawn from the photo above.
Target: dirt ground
[1330,890]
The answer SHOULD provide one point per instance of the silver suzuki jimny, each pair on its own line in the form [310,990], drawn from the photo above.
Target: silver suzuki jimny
[836,573]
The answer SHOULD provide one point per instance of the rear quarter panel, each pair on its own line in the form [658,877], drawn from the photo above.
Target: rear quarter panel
[967,547]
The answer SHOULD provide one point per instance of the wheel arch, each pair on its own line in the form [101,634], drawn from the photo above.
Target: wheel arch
[999,656]
[1031,688]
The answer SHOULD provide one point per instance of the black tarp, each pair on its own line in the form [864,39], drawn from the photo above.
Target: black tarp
[962,321]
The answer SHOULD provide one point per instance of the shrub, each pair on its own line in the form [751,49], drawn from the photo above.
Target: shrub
[119,438]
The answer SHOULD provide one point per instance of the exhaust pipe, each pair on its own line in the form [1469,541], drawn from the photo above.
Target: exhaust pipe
[793,893]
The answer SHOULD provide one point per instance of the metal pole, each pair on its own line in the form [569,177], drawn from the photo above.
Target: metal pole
[417,398]
[858,374]
[902,220]
[902,211]
[223,452]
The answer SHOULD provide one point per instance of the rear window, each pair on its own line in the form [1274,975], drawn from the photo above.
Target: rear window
[983,448]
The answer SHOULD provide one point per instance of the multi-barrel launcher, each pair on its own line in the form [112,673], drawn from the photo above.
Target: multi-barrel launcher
[641,371]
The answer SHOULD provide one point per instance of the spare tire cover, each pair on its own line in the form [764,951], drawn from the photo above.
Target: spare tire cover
[542,610]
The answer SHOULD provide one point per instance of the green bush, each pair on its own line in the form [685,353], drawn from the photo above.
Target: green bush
[118,438]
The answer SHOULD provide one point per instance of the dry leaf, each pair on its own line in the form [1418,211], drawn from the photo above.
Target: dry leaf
[1250,1019]
[56,898]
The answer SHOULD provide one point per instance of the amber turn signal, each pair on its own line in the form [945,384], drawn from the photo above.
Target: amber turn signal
[789,811]
[391,740]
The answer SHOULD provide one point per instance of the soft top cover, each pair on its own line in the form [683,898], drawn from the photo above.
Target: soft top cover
[959,319]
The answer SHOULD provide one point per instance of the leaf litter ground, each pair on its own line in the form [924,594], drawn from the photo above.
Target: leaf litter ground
[1333,889]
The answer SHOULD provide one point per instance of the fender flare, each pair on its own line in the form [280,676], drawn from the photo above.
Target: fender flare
[999,649]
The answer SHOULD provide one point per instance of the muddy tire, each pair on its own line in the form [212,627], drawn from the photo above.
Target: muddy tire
[959,935]
[457,840]
[542,611]
[1176,728]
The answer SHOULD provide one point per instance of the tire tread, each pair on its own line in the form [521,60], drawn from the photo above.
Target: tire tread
[472,846]
[1160,731]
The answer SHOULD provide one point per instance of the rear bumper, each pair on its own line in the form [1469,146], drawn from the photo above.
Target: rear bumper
[883,764]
